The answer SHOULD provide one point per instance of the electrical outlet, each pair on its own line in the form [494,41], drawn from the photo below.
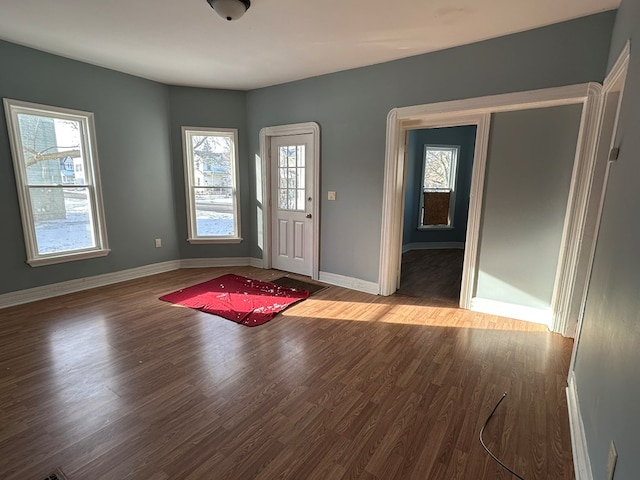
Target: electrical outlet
[331,195]
[158,242]
[611,462]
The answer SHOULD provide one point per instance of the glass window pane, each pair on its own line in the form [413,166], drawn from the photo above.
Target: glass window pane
[301,156]
[282,156]
[62,219]
[292,156]
[301,200]
[291,176]
[291,199]
[282,199]
[214,211]
[300,180]
[51,148]
[438,167]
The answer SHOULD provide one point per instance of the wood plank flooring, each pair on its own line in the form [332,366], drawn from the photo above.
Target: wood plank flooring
[433,274]
[114,384]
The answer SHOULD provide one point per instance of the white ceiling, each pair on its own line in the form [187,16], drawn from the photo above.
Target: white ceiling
[184,42]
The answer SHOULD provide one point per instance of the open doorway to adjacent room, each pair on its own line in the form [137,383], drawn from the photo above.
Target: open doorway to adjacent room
[436,208]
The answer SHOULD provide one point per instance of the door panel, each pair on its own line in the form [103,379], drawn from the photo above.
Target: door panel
[291,206]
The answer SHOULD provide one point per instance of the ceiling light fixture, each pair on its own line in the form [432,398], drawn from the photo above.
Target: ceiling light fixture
[230,9]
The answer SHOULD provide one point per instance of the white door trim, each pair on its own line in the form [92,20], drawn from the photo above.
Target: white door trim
[263,188]
[461,112]
[614,82]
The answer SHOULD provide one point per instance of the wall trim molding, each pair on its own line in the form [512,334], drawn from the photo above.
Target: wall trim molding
[77,285]
[349,282]
[542,316]
[466,112]
[564,289]
[581,461]
[220,262]
[28,295]
[431,246]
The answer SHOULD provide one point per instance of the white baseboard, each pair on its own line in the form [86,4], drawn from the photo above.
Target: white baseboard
[54,290]
[581,462]
[63,288]
[220,262]
[350,282]
[431,246]
[519,312]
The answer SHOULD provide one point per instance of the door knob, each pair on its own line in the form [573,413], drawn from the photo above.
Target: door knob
[308,215]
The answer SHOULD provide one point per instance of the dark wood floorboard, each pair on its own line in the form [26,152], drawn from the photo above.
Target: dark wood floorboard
[432,274]
[114,384]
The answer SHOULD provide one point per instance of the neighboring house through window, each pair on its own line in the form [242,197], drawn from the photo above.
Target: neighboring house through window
[56,167]
[437,196]
[211,173]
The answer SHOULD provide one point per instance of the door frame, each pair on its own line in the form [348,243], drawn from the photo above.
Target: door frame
[479,110]
[263,190]
[613,83]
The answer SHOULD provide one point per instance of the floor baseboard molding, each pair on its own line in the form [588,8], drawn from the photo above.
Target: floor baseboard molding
[519,312]
[77,285]
[581,462]
[220,262]
[431,246]
[350,282]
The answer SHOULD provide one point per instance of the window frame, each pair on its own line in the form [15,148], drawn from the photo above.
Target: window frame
[92,181]
[453,181]
[190,184]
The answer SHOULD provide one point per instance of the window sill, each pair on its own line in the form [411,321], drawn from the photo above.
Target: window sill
[70,257]
[435,227]
[205,240]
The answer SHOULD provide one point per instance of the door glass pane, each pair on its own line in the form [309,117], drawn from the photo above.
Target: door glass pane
[291,178]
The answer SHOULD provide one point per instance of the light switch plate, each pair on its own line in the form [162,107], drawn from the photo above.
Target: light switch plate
[331,196]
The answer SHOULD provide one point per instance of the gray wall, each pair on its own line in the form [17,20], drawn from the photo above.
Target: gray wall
[140,156]
[465,138]
[132,126]
[200,107]
[530,160]
[608,354]
[351,108]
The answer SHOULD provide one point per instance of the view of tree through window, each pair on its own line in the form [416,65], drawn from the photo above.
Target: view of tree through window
[437,199]
[54,170]
[438,166]
[212,197]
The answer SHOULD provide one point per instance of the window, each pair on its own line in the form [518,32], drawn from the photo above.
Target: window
[56,166]
[211,172]
[437,199]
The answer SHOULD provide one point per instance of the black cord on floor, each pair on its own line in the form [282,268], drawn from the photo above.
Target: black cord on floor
[485,447]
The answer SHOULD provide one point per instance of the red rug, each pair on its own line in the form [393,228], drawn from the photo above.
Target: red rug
[240,299]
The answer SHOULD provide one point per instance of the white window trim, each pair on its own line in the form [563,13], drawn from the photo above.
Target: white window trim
[193,238]
[90,152]
[454,182]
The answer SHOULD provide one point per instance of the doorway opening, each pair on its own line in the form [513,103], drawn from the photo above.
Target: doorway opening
[436,208]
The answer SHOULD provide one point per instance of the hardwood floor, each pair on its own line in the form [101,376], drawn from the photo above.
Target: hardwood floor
[114,384]
[432,274]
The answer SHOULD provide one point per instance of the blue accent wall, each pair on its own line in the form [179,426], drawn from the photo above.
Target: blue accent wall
[465,138]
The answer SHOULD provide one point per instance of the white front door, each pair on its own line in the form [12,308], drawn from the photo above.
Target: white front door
[292,176]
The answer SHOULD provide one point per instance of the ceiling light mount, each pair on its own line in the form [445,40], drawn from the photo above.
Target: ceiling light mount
[230,9]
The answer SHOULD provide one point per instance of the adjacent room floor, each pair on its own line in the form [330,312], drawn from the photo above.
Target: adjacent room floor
[432,274]
[114,384]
